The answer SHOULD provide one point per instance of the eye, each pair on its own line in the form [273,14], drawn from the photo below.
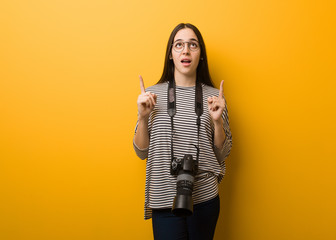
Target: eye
[178,45]
[193,45]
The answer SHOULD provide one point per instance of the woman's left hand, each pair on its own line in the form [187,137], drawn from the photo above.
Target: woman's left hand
[216,105]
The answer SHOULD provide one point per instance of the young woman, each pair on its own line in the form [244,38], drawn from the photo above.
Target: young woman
[160,136]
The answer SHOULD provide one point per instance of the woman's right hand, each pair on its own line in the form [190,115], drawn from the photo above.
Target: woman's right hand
[146,101]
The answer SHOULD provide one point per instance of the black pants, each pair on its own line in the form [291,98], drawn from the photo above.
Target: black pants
[199,226]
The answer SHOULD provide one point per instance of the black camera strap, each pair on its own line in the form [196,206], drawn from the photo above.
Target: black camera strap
[172,110]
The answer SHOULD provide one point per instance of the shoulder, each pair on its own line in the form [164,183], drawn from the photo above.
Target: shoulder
[209,91]
[158,88]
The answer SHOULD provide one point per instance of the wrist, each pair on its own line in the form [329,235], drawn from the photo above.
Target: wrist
[218,123]
[143,118]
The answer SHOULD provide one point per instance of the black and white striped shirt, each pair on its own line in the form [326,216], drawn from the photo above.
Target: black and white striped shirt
[160,187]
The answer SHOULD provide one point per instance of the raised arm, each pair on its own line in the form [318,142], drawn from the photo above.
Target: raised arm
[216,106]
[146,102]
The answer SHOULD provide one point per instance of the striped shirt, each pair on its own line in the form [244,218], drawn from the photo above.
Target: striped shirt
[160,188]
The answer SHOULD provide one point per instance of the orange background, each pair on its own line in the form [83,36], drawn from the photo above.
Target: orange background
[68,89]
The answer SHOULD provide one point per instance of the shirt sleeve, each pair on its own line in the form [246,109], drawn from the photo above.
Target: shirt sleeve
[223,153]
[141,153]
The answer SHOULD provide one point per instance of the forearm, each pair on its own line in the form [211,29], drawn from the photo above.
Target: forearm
[141,137]
[219,134]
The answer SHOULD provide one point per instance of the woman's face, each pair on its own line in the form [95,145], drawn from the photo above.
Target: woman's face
[186,58]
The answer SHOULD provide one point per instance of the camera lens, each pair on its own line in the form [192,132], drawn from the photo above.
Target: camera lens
[184,187]
[185,170]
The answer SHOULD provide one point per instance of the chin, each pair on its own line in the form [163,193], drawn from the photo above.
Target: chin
[187,71]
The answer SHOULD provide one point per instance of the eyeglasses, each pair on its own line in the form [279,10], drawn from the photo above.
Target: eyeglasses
[179,46]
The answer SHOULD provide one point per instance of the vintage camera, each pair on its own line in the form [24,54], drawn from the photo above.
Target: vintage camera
[185,169]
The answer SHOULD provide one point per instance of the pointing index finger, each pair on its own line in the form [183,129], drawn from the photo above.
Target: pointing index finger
[221,89]
[142,85]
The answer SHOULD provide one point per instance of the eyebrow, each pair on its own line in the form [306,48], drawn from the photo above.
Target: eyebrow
[189,39]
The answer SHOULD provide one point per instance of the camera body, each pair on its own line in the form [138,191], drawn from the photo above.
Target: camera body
[186,164]
[185,169]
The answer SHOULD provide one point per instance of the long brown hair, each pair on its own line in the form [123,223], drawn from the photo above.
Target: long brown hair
[203,74]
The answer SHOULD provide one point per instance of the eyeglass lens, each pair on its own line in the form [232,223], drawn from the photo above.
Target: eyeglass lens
[179,46]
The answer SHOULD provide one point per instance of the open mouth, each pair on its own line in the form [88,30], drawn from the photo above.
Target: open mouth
[186,62]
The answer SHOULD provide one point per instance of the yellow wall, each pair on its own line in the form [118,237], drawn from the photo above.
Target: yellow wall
[68,88]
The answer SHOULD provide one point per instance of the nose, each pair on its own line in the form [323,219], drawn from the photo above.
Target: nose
[186,49]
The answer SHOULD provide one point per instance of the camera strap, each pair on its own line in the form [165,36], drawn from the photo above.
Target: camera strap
[172,110]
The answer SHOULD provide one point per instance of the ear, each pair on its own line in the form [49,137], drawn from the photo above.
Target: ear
[170,57]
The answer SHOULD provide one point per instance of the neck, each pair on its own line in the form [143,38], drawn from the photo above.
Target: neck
[185,80]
